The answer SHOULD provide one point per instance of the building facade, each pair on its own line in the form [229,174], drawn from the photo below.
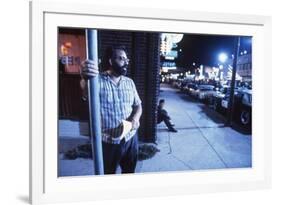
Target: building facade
[143,49]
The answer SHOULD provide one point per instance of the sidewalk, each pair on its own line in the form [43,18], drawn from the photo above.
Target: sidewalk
[202,142]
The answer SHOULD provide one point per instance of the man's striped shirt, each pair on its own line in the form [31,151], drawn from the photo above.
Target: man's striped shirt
[117,102]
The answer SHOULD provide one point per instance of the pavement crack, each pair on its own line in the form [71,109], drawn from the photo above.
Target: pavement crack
[211,146]
[169,143]
[183,162]
[171,152]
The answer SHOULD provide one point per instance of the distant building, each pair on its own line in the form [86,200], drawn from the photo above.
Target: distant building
[244,67]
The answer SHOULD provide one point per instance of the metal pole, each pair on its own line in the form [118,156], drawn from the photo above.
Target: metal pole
[232,86]
[94,103]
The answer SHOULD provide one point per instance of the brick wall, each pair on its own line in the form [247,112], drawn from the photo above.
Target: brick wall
[143,51]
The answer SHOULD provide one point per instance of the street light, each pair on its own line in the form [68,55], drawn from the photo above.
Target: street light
[223,57]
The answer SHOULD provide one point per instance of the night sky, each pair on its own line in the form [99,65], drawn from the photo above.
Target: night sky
[204,49]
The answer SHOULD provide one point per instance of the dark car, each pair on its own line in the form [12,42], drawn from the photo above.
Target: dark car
[242,106]
[183,84]
[190,88]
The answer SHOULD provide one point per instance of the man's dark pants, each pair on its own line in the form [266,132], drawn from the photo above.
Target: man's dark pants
[163,116]
[124,154]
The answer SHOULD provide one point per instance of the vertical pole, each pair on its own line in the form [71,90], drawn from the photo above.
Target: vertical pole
[232,86]
[94,103]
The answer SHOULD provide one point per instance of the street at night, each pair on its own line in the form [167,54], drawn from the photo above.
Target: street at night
[202,140]
[203,81]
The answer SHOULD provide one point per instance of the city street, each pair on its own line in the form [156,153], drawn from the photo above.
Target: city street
[202,141]
[201,65]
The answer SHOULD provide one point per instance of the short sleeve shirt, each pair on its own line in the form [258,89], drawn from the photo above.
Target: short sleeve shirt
[116,103]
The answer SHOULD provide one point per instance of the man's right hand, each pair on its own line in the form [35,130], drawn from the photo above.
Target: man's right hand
[89,69]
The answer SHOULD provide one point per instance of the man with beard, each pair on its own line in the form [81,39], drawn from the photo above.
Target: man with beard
[119,100]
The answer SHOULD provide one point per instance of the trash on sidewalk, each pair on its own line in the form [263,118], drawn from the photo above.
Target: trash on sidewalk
[147,151]
[81,151]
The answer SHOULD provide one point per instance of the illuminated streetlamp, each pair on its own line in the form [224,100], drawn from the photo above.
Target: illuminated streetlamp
[223,57]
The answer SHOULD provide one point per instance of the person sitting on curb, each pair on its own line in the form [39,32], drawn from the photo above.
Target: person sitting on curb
[162,115]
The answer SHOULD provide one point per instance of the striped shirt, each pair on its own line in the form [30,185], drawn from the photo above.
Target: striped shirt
[116,103]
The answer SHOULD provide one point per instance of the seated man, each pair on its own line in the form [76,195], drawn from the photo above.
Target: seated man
[162,115]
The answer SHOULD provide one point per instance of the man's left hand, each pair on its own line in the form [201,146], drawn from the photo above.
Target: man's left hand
[135,124]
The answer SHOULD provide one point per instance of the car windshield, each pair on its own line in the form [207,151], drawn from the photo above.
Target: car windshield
[192,86]
[206,87]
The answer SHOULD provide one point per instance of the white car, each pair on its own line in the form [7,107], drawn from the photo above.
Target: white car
[204,92]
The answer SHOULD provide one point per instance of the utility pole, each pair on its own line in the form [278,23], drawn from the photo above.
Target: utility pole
[232,86]
[94,103]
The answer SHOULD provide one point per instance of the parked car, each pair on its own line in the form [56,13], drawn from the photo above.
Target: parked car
[218,96]
[178,83]
[242,106]
[247,85]
[174,83]
[192,89]
[183,84]
[205,92]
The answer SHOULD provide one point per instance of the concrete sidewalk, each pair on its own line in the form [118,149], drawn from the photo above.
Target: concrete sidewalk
[202,141]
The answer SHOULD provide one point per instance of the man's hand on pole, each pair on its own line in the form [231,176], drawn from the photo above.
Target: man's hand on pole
[89,69]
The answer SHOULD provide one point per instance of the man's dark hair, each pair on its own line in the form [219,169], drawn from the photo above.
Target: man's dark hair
[161,101]
[109,53]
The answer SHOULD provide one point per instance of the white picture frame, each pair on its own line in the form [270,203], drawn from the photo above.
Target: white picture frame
[46,187]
